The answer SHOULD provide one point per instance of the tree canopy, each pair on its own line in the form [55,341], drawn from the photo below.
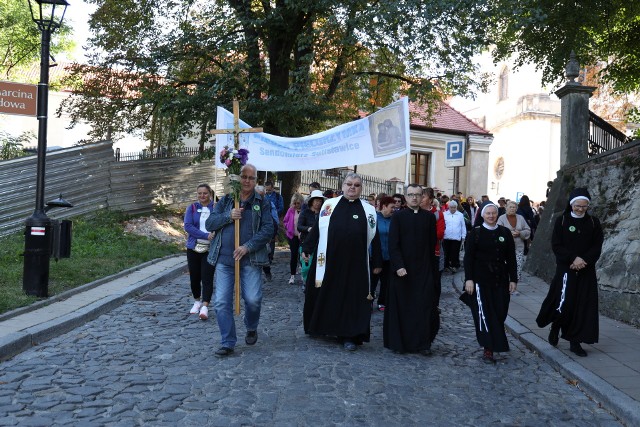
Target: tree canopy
[20,39]
[295,65]
[603,34]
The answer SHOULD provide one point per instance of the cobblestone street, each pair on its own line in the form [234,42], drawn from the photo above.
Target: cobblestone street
[149,362]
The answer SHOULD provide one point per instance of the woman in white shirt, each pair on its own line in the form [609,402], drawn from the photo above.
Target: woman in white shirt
[454,234]
[198,242]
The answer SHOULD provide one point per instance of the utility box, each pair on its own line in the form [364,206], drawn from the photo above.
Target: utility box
[61,241]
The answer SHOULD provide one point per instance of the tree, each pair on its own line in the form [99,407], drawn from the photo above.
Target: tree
[296,66]
[13,146]
[20,39]
[603,34]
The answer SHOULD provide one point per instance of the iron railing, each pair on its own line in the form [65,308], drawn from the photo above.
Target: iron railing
[159,153]
[603,136]
[331,179]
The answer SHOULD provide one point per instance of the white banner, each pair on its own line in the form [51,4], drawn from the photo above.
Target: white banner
[381,136]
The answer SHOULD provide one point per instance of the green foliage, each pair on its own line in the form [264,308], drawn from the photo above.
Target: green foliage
[297,66]
[99,248]
[544,32]
[20,39]
[13,146]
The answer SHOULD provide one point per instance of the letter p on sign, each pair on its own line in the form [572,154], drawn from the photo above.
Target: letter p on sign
[454,153]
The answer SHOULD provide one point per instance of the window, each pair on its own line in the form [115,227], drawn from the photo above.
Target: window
[503,84]
[420,168]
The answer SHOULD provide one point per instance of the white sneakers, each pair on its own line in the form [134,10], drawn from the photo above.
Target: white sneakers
[201,310]
[204,312]
[196,307]
[292,280]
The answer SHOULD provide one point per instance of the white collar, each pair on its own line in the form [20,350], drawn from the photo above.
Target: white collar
[488,227]
[574,215]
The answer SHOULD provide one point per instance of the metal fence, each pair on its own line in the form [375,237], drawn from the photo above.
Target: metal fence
[159,153]
[603,136]
[331,179]
[89,177]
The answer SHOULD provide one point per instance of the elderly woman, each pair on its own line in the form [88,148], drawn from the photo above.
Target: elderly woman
[198,242]
[571,306]
[490,274]
[290,222]
[306,221]
[519,230]
[455,232]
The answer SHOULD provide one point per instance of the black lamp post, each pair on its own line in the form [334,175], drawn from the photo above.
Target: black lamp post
[48,15]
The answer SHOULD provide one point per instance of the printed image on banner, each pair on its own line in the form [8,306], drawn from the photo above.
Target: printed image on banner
[382,136]
[388,131]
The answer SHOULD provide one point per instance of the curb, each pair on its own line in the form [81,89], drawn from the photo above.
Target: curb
[614,400]
[20,341]
[70,292]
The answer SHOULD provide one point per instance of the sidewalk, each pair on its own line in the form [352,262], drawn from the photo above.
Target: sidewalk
[28,326]
[611,371]
[610,374]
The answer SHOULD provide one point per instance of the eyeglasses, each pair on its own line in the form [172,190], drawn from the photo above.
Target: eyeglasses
[347,184]
[581,206]
[414,194]
[250,178]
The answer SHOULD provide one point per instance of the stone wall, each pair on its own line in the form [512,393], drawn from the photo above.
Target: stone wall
[613,179]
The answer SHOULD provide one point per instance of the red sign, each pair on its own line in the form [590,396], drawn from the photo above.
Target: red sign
[18,98]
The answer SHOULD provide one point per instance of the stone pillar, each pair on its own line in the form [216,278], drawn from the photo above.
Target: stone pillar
[574,116]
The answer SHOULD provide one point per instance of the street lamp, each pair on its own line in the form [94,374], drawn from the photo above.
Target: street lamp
[48,15]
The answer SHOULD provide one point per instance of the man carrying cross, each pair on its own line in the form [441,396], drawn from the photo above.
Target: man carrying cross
[256,230]
[337,296]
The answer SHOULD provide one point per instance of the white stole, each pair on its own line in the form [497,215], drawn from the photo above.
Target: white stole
[323,224]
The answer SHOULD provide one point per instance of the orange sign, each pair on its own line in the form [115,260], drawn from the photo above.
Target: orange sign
[18,98]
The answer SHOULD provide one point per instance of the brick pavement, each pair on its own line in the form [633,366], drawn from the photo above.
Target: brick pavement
[148,362]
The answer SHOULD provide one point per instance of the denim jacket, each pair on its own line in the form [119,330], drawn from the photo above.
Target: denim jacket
[262,228]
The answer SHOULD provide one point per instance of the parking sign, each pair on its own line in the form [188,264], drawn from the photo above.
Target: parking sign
[454,153]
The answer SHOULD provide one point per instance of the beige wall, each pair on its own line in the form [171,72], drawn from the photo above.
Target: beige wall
[473,177]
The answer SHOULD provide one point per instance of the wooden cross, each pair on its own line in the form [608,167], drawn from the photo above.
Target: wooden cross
[236,131]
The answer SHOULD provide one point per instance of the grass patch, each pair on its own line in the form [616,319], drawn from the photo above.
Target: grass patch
[99,248]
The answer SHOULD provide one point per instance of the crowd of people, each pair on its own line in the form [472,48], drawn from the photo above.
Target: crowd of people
[357,254]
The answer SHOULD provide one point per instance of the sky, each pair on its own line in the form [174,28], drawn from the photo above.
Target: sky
[77,15]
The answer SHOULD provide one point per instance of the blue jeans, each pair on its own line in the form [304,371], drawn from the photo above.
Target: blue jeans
[251,291]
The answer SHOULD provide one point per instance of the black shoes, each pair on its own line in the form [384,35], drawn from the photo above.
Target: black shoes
[223,352]
[553,334]
[349,346]
[251,338]
[576,348]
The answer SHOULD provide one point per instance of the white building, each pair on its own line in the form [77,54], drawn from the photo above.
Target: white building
[426,163]
[524,118]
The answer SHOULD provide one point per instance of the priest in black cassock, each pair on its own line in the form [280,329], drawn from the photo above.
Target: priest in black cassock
[411,318]
[337,297]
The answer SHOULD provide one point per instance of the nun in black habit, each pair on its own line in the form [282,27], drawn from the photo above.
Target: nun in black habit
[490,271]
[571,305]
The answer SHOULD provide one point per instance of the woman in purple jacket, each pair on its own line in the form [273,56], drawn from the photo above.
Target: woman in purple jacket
[198,240]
